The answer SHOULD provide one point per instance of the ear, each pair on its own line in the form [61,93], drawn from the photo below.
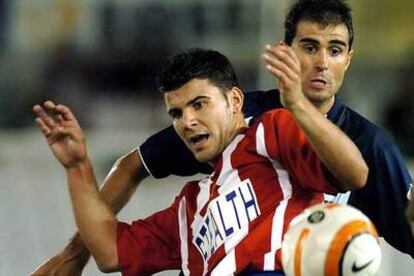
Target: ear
[236,99]
[350,55]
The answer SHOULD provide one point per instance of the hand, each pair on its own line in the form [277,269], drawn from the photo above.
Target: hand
[69,262]
[62,131]
[282,62]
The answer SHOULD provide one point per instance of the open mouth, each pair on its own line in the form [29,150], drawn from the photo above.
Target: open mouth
[319,83]
[198,139]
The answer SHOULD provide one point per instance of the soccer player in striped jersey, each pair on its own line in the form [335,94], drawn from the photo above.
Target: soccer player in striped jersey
[233,220]
[383,199]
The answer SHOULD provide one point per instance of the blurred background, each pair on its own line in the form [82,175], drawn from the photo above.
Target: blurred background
[100,57]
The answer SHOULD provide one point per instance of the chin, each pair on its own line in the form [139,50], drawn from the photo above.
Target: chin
[319,96]
[204,158]
[201,158]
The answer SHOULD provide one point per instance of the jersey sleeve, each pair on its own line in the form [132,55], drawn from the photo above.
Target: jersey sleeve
[384,197]
[258,102]
[150,245]
[164,153]
[287,144]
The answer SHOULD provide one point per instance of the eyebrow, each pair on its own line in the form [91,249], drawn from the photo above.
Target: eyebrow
[188,103]
[333,41]
[196,99]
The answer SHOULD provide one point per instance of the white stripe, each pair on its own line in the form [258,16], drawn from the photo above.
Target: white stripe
[234,240]
[227,180]
[248,119]
[276,238]
[343,198]
[260,141]
[410,193]
[204,193]
[339,198]
[279,216]
[228,175]
[143,161]
[227,168]
[227,265]
[182,220]
[202,199]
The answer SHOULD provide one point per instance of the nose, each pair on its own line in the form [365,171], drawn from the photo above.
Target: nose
[189,119]
[321,62]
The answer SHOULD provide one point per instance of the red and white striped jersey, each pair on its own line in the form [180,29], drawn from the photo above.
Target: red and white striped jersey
[234,219]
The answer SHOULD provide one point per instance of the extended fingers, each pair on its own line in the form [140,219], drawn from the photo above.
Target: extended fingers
[53,110]
[51,113]
[43,127]
[49,105]
[279,68]
[53,119]
[283,80]
[288,51]
[65,112]
[273,64]
[282,56]
[44,118]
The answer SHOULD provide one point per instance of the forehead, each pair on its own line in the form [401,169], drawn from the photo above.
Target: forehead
[320,33]
[190,91]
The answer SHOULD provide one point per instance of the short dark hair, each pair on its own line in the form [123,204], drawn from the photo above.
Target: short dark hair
[324,12]
[196,63]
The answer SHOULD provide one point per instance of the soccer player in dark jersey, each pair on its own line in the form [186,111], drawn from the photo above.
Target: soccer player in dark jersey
[383,199]
[233,220]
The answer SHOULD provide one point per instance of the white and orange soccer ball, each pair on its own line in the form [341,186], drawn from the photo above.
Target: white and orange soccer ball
[330,240]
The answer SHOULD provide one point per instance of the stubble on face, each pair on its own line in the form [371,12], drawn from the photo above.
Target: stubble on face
[205,122]
[323,52]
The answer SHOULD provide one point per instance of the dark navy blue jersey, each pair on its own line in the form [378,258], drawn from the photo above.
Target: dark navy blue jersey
[383,199]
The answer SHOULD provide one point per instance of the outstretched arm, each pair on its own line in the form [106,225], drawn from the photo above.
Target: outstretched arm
[95,220]
[116,190]
[339,154]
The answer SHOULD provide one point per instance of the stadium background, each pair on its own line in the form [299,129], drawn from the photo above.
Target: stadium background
[100,57]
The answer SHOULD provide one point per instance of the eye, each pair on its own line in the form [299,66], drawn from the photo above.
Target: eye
[309,48]
[335,51]
[175,114]
[198,105]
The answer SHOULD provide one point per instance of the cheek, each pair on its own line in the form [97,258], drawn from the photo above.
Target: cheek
[178,128]
[217,128]
[305,67]
[339,73]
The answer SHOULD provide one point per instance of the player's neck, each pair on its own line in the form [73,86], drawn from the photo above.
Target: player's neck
[240,126]
[325,106]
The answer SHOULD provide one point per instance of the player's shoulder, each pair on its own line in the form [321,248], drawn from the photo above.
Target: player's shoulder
[274,123]
[363,131]
[279,116]
[258,102]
